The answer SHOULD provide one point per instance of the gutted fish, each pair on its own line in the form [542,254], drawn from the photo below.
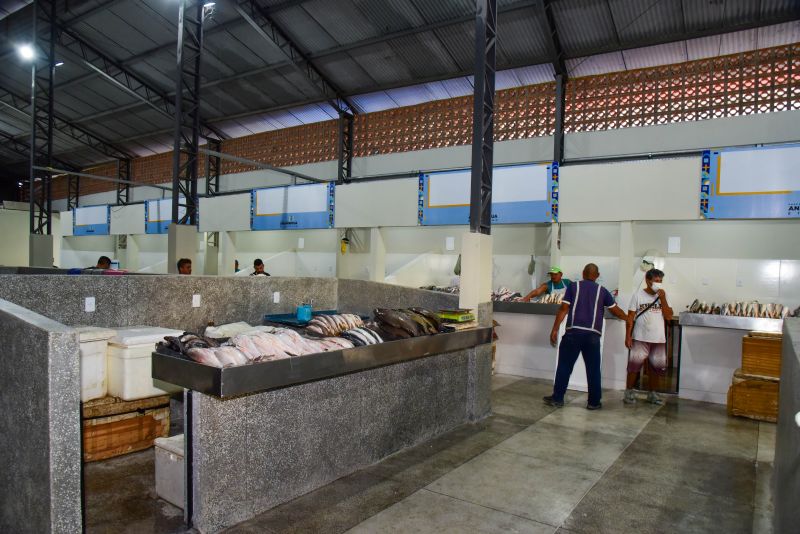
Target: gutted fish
[204,356]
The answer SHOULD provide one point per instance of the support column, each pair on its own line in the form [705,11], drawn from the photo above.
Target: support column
[132,254]
[476,276]
[626,267]
[42,119]
[555,244]
[226,254]
[211,264]
[40,250]
[182,243]
[377,256]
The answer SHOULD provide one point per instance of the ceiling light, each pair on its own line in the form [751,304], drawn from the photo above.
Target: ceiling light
[209,5]
[59,63]
[26,52]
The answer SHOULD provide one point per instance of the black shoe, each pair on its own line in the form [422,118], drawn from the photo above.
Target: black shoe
[594,406]
[550,401]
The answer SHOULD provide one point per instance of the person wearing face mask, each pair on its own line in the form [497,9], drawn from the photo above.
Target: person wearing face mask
[646,335]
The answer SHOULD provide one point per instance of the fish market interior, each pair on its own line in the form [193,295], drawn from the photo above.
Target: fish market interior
[400,266]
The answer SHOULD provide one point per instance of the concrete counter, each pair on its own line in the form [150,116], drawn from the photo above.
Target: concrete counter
[254,452]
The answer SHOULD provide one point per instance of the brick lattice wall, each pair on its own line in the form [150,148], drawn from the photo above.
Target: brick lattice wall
[760,81]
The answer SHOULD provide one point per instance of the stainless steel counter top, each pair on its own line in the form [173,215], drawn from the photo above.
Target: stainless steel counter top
[263,376]
[531,308]
[731,322]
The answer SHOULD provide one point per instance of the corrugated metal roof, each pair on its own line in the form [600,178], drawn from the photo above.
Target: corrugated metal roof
[593,65]
[653,56]
[583,25]
[636,20]
[778,35]
[519,37]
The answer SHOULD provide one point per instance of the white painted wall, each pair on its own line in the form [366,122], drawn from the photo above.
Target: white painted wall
[14,227]
[83,251]
[282,256]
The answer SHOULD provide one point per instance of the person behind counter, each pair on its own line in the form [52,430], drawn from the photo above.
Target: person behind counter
[258,268]
[557,284]
[646,336]
[103,262]
[184,266]
[583,305]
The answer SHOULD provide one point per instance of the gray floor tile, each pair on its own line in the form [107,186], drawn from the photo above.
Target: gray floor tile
[614,418]
[333,508]
[635,505]
[519,405]
[563,444]
[500,380]
[653,458]
[766,442]
[428,512]
[762,522]
[725,435]
[763,488]
[519,485]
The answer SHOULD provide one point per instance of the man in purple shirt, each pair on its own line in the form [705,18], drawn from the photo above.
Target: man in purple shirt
[583,305]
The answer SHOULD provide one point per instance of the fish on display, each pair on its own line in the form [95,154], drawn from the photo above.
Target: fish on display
[398,320]
[430,316]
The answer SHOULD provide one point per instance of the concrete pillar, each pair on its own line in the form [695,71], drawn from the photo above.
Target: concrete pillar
[625,283]
[377,256]
[40,250]
[226,254]
[212,260]
[131,263]
[555,245]
[181,243]
[476,275]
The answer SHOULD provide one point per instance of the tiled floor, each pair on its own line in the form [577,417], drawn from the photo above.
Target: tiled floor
[684,467]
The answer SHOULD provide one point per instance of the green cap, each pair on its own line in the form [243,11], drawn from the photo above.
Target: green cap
[555,269]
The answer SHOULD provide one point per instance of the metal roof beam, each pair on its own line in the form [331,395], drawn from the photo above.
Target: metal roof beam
[549,28]
[85,137]
[9,142]
[118,75]
[265,26]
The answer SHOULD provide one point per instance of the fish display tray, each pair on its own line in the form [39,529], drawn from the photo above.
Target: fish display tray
[729,321]
[290,319]
[226,382]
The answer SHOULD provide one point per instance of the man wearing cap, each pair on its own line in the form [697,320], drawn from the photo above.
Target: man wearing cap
[557,285]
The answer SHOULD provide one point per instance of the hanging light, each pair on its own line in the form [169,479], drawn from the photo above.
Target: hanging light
[26,52]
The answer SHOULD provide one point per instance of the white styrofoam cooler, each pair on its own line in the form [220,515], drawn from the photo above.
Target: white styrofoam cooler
[130,363]
[93,344]
[169,470]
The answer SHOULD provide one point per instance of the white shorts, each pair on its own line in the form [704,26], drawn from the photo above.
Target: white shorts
[644,350]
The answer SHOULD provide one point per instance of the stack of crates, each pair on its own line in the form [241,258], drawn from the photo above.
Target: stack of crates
[755,387]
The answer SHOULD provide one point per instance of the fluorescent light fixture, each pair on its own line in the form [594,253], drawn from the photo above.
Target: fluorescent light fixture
[26,52]
[209,5]
[59,63]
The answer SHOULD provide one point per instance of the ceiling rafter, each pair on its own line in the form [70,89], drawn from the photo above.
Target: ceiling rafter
[265,26]
[548,23]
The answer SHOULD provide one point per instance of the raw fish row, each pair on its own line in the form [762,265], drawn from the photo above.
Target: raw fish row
[333,325]
[744,309]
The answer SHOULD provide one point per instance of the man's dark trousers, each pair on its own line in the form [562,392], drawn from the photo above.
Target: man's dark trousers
[573,343]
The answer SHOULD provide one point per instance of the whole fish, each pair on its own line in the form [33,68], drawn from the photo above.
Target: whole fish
[246,346]
[230,356]
[430,316]
[422,321]
[204,356]
[397,320]
[356,339]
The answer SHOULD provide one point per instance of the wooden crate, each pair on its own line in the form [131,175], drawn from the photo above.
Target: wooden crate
[112,427]
[761,354]
[755,397]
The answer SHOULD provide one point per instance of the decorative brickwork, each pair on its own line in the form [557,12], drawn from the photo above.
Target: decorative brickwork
[761,81]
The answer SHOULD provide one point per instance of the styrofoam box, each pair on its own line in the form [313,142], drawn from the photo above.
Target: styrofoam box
[169,470]
[93,345]
[130,375]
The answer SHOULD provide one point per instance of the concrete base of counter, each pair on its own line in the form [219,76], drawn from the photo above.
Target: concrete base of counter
[254,452]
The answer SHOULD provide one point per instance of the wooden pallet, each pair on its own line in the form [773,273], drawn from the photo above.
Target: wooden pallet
[754,397]
[112,427]
[761,354]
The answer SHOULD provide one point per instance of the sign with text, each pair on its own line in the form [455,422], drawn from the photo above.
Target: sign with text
[520,194]
[751,183]
[293,207]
